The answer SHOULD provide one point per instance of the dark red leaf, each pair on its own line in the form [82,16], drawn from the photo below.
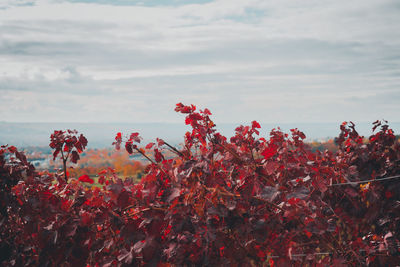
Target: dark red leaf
[101,179]
[184,109]
[123,199]
[129,147]
[158,156]
[135,137]
[74,156]
[83,141]
[12,149]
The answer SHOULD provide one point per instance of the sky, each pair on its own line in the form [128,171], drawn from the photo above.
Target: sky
[132,61]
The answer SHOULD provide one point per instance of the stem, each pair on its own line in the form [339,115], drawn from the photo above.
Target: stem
[232,152]
[144,155]
[268,202]
[64,159]
[174,149]
[149,159]
[188,150]
[65,170]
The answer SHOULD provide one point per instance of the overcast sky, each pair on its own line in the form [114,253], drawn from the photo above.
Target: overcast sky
[132,61]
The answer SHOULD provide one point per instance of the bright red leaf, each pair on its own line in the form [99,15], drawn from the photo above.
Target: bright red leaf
[86,179]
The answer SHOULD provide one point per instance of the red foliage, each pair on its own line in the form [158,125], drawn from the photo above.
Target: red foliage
[218,202]
[69,144]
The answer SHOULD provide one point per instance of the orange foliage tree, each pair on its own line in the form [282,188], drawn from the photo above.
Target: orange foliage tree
[95,160]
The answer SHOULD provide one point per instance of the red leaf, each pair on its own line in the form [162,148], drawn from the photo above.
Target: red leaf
[66,148]
[388,194]
[86,218]
[86,179]
[74,157]
[269,151]
[66,204]
[308,234]
[293,201]
[160,142]
[149,145]
[128,147]
[255,124]
[270,167]
[12,149]
[83,140]
[193,118]
[207,111]
[135,137]
[102,172]
[221,251]
[123,199]
[184,109]
[55,153]
[158,156]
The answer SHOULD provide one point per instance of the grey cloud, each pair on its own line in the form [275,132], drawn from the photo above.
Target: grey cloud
[15,3]
[149,3]
[239,63]
[54,27]
[123,53]
[331,57]
[40,49]
[74,83]
[386,99]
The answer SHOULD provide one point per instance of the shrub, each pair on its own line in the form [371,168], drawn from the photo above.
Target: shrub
[246,201]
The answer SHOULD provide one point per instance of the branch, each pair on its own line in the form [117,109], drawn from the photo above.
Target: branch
[174,149]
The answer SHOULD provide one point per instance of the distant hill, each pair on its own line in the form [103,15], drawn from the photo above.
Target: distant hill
[101,135]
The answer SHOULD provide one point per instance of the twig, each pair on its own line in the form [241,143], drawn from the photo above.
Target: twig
[367,181]
[174,149]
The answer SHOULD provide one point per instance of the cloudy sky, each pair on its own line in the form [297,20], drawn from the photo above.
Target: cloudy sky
[132,61]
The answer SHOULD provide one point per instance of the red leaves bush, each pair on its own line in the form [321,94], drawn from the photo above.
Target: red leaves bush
[246,201]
